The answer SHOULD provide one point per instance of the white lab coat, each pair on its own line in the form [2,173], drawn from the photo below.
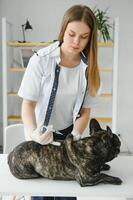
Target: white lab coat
[38,81]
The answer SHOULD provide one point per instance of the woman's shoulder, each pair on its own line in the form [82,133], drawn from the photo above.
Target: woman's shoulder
[49,50]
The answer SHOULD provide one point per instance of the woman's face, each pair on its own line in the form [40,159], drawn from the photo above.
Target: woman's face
[76,37]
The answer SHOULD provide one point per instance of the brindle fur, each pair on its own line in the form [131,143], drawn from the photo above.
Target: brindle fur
[80,160]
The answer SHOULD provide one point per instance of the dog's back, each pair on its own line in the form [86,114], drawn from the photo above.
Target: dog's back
[31,160]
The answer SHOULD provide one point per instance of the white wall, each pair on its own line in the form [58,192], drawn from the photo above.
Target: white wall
[45,17]
[0,81]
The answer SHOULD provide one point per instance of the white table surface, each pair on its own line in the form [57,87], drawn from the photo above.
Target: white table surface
[122,167]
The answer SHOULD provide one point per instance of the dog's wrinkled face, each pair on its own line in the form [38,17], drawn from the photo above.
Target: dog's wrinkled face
[110,143]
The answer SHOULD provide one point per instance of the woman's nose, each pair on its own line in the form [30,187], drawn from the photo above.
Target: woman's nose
[76,40]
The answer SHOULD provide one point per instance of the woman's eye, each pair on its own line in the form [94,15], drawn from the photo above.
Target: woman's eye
[84,37]
[71,35]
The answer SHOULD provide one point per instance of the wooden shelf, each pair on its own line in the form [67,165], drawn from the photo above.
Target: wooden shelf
[19,69]
[104,119]
[105,69]
[12,94]
[100,119]
[16,69]
[14,118]
[105,44]
[106,95]
[44,44]
[28,44]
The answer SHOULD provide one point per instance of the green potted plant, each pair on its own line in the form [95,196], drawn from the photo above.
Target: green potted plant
[103,24]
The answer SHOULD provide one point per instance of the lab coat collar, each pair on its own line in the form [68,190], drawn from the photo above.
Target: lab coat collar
[54,51]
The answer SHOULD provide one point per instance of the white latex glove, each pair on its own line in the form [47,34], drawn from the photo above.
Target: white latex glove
[76,135]
[43,138]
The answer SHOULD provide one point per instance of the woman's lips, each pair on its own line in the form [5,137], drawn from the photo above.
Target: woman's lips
[76,48]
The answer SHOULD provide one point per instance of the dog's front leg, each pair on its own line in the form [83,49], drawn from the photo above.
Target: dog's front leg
[79,164]
[110,179]
[88,179]
[94,179]
[70,150]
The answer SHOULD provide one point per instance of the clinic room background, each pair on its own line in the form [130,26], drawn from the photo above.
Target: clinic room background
[45,18]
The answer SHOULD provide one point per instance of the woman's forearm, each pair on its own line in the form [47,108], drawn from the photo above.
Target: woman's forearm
[28,113]
[82,122]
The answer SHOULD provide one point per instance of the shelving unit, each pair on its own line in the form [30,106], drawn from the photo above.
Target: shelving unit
[28,44]
[109,96]
[37,44]
[7,119]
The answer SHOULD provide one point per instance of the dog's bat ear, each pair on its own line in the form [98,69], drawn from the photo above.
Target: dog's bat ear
[92,132]
[94,126]
[109,131]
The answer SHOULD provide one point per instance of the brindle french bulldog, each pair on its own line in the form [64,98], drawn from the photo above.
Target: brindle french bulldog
[80,160]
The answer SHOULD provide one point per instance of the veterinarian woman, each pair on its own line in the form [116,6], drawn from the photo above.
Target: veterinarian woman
[61,82]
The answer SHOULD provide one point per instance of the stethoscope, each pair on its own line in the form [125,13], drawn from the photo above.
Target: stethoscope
[83,57]
[60,43]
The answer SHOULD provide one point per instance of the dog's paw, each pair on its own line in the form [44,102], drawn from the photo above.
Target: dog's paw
[117,181]
[111,179]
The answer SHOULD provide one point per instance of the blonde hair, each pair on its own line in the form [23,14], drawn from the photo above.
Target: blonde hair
[85,14]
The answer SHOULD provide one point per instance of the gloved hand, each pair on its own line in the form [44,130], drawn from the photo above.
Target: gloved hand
[42,137]
[76,135]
